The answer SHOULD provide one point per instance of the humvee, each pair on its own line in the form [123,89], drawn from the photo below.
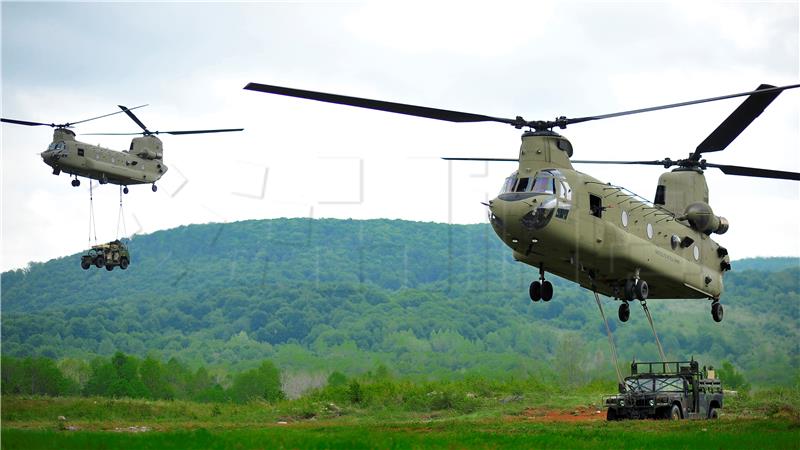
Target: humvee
[667,390]
[114,253]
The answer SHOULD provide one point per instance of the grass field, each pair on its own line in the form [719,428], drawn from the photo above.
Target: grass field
[32,423]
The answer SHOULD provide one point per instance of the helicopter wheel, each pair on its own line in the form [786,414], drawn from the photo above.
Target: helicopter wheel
[624,312]
[154,187]
[125,190]
[628,290]
[76,182]
[717,311]
[535,291]
[547,290]
[641,289]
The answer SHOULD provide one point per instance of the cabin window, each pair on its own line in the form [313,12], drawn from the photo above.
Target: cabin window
[80,152]
[660,195]
[595,205]
[566,192]
[544,184]
[522,185]
[508,186]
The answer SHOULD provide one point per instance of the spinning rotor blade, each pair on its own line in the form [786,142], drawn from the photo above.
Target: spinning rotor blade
[760,93]
[739,119]
[225,130]
[24,122]
[105,115]
[134,118]
[666,163]
[755,172]
[380,105]
[64,125]
[483,159]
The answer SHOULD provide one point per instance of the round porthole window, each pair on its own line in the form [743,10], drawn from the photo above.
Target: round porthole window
[649,231]
[675,241]
[696,252]
[624,218]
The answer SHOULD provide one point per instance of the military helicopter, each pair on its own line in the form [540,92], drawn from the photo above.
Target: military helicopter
[601,236]
[142,163]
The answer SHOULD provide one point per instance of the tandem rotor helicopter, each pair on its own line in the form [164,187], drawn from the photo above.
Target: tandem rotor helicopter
[142,163]
[604,237]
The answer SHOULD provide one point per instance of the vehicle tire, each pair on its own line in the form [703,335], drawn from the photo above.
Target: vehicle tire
[627,291]
[713,414]
[642,290]
[123,263]
[624,312]
[547,290]
[612,415]
[675,413]
[109,267]
[717,312]
[535,291]
[99,262]
[85,264]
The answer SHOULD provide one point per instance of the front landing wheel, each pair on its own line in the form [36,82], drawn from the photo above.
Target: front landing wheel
[717,312]
[535,291]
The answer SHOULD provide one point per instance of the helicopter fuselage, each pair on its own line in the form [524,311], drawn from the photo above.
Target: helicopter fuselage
[65,154]
[601,236]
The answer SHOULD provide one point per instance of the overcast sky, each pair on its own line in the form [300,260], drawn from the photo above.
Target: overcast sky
[296,158]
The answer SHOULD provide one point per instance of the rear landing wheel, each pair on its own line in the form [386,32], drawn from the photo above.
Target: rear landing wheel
[125,190]
[154,187]
[717,311]
[76,182]
[535,291]
[547,290]
[624,312]
[641,289]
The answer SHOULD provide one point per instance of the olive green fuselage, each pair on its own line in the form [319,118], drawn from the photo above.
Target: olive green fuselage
[598,235]
[141,164]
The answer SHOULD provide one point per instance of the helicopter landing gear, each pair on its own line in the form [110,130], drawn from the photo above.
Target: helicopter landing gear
[541,289]
[624,312]
[636,288]
[76,182]
[103,179]
[125,190]
[716,311]
[154,187]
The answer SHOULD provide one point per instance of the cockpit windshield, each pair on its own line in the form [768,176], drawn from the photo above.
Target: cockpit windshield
[57,146]
[545,182]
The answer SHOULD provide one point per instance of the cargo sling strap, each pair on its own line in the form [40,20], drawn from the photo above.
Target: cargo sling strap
[610,341]
[652,327]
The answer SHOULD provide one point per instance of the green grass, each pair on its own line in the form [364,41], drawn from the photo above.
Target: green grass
[391,419]
[728,434]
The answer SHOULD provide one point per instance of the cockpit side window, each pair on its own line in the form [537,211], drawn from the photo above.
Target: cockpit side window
[522,185]
[508,186]
[544,184]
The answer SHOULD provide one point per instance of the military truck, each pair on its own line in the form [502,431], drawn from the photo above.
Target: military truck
[110,255]
[667,390]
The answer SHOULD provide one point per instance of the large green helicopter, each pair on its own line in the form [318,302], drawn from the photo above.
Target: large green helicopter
[142,163]
[604,237]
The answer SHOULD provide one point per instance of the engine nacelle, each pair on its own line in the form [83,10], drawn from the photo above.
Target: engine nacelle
[147,147]
[701,218]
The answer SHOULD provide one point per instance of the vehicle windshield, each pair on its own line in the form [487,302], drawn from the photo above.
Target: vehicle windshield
[672,384]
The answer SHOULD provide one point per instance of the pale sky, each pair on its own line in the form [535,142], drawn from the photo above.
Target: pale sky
[189,61]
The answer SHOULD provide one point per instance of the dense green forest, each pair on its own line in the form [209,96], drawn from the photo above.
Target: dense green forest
[423,300]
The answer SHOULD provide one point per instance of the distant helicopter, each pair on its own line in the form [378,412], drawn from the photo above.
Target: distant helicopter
[604,237]
[142,163]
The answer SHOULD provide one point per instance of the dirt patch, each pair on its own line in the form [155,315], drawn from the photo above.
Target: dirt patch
[580,414]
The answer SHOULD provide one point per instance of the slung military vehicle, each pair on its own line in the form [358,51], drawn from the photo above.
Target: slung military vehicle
[604,237]
[667,390]
[142,163]
[110,255]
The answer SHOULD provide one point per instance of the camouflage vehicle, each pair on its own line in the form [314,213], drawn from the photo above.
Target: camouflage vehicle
[667,390]
[114,253]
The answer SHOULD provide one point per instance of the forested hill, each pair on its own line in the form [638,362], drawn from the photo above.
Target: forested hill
[424,299]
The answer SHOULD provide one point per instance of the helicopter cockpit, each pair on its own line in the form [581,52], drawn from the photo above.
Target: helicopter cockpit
[550,181]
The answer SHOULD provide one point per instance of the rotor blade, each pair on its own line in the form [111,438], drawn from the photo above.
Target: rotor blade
[676,105]
[106,115]
[24,122]
[734,124]
[225,130]
[133,117]
[755,172]
[380,105]
[483,159]
[111,134]
[649,163]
